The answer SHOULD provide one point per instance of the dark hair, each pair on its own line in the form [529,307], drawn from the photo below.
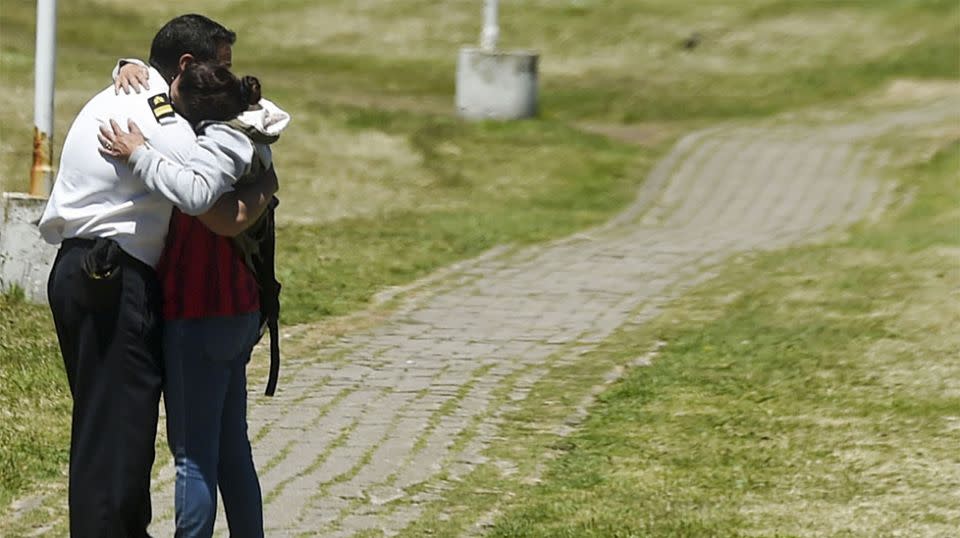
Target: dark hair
[187,34]
[209,91]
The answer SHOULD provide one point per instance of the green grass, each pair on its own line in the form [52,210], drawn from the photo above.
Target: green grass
[34,400]
[616,61]
[822,401]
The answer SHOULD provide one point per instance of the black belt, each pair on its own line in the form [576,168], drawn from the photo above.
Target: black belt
[104,255]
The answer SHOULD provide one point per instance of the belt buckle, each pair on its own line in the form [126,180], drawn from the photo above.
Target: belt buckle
[103,276]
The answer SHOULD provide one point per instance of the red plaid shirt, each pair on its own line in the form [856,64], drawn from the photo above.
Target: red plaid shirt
[202,274]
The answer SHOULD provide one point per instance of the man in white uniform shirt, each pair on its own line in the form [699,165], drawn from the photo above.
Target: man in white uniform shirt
[104,292]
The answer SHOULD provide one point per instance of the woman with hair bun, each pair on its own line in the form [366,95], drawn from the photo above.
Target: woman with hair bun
[212,299]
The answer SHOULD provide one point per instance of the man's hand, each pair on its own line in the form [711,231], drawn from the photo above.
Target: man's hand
[118,144]
[132,76]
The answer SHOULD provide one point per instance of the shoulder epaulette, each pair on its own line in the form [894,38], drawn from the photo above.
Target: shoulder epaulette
[162,109]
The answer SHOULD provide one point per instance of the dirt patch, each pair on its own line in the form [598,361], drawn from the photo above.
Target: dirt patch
[909,91]
[402,103]
[641,134]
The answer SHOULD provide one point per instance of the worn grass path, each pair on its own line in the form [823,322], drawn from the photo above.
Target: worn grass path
[365,431]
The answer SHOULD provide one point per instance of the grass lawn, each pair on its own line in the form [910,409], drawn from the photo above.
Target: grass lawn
[34,398]
[382,185]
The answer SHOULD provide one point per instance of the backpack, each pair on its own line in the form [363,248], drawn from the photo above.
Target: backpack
[257,244]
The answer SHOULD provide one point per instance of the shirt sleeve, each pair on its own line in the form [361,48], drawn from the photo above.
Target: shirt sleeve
[208,169]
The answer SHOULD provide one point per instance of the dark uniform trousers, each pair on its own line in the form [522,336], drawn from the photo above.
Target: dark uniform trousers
[109,332]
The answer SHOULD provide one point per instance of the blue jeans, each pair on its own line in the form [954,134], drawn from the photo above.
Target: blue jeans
[205,394]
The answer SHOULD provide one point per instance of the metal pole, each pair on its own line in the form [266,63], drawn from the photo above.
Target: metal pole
[491,32]
[41,180]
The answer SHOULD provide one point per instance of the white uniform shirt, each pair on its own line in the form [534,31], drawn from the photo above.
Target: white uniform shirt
[95,196]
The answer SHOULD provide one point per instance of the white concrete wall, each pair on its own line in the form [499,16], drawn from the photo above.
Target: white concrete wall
[496,85]
[25,258]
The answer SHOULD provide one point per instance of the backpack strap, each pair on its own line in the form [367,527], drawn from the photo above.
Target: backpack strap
[274,357]
[270,294]
[255,134]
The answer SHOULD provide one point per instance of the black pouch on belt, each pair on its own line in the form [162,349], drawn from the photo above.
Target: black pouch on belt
[102,267]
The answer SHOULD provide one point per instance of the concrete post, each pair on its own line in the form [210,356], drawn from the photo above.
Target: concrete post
[492,84]
[496,85]
[41,175]
[25,259]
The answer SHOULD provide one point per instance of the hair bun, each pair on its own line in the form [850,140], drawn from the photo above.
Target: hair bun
[250,90]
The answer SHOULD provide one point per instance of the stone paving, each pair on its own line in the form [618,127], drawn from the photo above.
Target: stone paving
[393,407]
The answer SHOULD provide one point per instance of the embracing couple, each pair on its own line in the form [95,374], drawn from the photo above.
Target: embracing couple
[155,286]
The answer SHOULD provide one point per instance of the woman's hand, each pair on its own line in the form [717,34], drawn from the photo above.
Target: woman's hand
[114,142]
[134,76]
